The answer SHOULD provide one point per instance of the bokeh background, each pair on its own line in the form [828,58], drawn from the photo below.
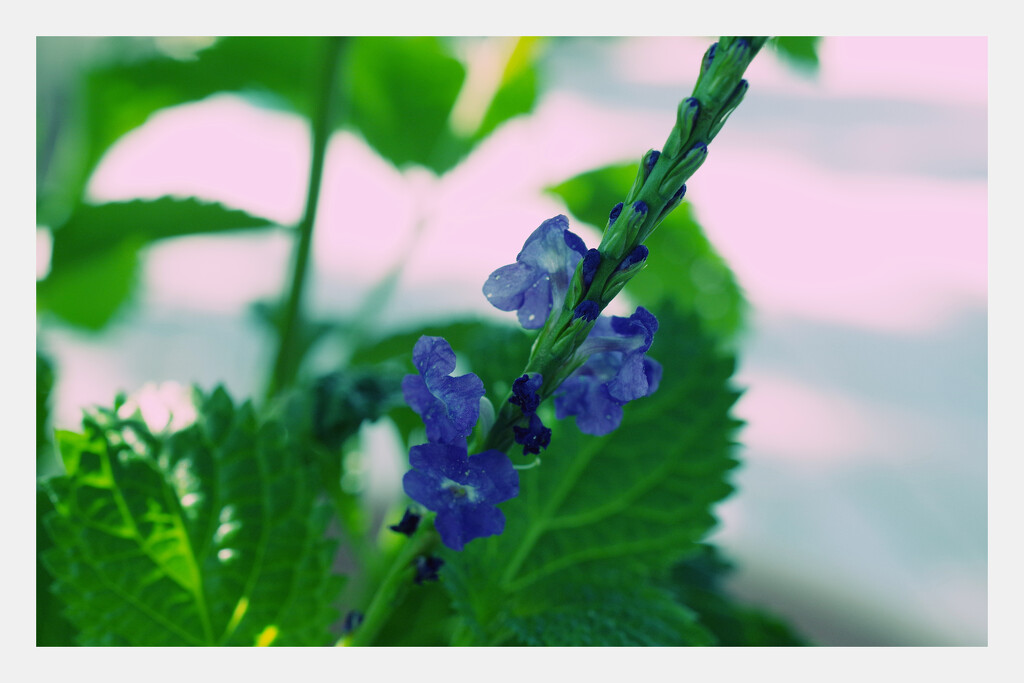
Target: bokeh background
[850,201]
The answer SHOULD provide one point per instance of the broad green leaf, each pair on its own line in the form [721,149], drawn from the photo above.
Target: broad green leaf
[517,92]
[52,629]
[697,583]
[212,535]
[95,228]
[633,502]
[800,52]
[94,262]
[606,609]
[118,97]
[400,95]
[683,267]
[89,292]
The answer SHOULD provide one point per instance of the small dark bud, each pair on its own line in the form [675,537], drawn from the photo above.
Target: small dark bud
[710,55]
[533,438]
[588,310]
[574,242]
[427,567]
[524,394]
[410,520]
[591,261]
[636,256]
[614,215]
[679,193]
[652,159]
[640,206]
[352,621]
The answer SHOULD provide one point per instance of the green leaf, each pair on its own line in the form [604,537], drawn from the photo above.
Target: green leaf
[517,92]
[606,609]
[401,93]
[633,502]
[89,292]
[118,97]
[52,629]
[95,228]
[94,263]
[683,267]
[800,52]
[212,535]
[697,583]
[44,389]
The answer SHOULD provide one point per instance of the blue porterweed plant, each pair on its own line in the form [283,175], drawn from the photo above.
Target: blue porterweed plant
[217,523]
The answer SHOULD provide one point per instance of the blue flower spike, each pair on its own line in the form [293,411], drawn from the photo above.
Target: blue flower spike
[462,490]
[616,373]
[449,406]
[539,279]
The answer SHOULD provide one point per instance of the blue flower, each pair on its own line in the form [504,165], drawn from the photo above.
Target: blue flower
[449,406]
[616,372]
[462,490]
[539,279]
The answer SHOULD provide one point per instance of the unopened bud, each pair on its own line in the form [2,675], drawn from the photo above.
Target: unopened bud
[735,97]
[591,261]
[686,168]
[686,118]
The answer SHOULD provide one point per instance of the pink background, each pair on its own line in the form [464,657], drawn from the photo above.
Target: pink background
[852,207]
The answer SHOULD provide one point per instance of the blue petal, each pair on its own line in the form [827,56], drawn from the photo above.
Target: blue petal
[536,304]
[461,525]
[630,382]
[494,477]
[539,279]
[505,287]
[425,490]
[449,406]
[597,413]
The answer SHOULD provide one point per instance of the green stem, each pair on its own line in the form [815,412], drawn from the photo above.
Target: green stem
[397,580]
[288,356]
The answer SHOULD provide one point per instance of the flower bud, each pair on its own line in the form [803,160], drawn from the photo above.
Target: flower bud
[686,118]
[735,97]
[683,170]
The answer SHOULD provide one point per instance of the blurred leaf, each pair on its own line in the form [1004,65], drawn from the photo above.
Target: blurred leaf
[683,267]
[401,94]
[798,51]
[343,400]
[94,263]
[89,292]
[697,583]
[517,93]
[633,502]
[95,228]
[118,97]
[212,535]
[44,388]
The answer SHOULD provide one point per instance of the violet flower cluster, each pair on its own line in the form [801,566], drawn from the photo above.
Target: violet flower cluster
[612,370]
[462,490]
